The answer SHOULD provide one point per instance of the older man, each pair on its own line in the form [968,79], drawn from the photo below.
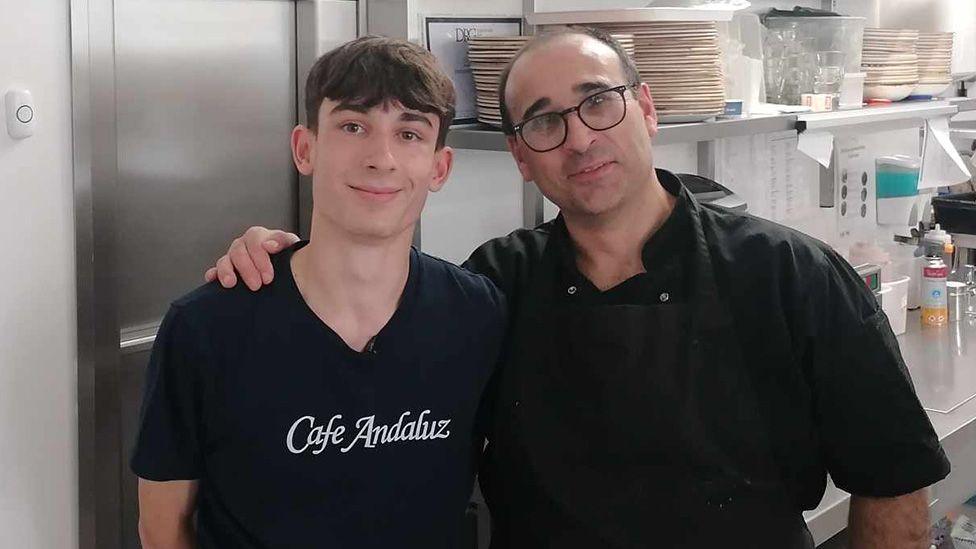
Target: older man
[678,375]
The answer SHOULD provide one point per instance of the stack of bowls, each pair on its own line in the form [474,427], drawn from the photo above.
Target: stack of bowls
[488,56]
[890,59]
[681,62]
[934,63]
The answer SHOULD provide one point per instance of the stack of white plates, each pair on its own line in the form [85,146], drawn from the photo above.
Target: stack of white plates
[680,61]
[626,41]
[934,62]
[488,56]
[890,60]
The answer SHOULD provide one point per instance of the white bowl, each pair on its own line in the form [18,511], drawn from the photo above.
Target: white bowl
[891,93]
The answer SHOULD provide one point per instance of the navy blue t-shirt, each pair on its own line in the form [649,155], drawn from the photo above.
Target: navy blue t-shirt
[298,440]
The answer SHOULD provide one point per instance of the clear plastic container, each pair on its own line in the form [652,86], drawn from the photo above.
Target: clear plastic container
[844,34]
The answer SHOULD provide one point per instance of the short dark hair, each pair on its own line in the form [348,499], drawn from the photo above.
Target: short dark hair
[373,70]
[626,63]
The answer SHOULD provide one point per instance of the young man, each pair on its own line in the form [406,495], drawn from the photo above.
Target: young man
[677,373]
[339,406]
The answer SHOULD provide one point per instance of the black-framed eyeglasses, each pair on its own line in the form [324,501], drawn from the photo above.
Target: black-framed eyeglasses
[599,111]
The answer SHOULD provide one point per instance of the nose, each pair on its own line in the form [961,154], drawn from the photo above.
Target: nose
[579,136]
[379,155]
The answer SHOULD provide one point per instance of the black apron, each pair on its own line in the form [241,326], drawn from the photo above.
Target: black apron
[631,426]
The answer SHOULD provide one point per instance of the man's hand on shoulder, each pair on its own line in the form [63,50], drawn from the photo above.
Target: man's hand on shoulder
[249,257]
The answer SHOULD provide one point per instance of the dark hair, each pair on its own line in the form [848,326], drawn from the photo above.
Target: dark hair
[373,70]
[626,63]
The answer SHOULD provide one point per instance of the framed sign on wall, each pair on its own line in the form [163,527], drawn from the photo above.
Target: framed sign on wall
[447,38]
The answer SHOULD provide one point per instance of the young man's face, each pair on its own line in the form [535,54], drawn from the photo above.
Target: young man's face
[593,172]
[371,168]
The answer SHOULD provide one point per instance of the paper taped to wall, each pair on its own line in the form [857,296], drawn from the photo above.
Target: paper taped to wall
[817,145]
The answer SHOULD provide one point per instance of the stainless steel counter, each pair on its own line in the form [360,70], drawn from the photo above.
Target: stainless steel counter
[942,362]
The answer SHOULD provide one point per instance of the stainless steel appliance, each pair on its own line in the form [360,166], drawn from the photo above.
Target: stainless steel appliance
[182,111]
[956,213]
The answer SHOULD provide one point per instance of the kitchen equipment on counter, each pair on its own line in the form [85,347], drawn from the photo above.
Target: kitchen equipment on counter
[708,191]
[870,273]
[956,214]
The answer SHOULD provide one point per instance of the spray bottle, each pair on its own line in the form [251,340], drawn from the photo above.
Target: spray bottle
[935,273]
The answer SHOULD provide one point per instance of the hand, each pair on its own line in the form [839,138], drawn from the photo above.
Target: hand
[250,255]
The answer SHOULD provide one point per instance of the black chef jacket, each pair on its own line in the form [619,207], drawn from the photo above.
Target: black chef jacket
[831,383]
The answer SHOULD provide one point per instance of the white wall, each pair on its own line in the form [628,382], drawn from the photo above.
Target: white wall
[38,415]
[483,198]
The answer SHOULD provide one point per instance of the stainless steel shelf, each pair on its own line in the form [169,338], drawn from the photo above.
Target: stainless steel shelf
[964,104]
[476,136]
[887,117]
[487,138]
[717,129]
[626,15]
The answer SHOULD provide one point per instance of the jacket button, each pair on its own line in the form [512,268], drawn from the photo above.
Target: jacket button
[664,297]
[571,290]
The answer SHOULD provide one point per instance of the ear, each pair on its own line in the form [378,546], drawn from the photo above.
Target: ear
[303,149]
[648,112]
[443,162]
[518,153]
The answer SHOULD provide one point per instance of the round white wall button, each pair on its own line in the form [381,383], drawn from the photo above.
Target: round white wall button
[25,114]
[19,113]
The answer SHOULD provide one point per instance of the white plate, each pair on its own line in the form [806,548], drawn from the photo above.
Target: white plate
[891,32]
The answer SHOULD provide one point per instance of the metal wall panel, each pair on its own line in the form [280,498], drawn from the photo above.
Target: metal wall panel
[181,115]
[205,98]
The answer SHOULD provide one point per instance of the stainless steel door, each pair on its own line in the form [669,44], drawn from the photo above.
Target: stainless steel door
[182,111]
[205,97]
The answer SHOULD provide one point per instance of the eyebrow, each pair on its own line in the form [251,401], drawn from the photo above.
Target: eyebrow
[414,117]
[536,107]
[592,86]
[362,109]
[581,88]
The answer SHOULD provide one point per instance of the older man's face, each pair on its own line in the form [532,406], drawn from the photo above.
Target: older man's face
[593,172]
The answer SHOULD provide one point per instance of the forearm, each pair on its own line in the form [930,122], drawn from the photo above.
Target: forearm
[890,523]
[167,536]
